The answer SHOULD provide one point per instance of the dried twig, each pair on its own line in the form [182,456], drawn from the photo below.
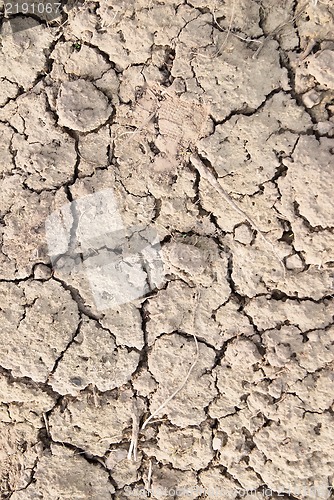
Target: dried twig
[132,453]
[206,174]
[278,28]
[116,437]
[149,477]
[47,428]
[179,389]
[228,29]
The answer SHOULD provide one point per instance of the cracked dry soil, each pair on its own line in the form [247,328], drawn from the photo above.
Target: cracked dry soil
[119,94]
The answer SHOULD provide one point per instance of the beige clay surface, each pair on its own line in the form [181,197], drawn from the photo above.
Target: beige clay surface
[225,338]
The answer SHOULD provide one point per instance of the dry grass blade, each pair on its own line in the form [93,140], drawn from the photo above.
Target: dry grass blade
[279,28]
[206,174]
[219,51]
[47,428]
[148,481]
[228,31]
[179,389]
[132,453]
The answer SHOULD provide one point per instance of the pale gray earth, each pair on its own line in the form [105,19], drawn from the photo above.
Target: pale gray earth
[114,97]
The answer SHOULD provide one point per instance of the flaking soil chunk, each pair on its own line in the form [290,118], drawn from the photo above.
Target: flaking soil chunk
[81,106]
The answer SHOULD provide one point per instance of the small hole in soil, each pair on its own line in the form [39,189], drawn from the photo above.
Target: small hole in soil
[76,381]
[278,295]
[317,429]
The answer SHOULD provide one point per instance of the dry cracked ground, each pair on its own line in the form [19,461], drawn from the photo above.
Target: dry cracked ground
[121,102]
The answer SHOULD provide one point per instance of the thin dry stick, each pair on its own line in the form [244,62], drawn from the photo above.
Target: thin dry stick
[137,130]
[278,28]
[219,50]
[47,428]
[206,174]
[132,453]
[149,476]
[117,437]
[179,389]
[228,30]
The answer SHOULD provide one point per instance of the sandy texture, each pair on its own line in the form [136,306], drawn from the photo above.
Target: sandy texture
[132,286]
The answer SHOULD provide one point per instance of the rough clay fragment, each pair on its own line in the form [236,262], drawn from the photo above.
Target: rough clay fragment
[8,90]
[230,85]
[243,234]
[43,154]
[93,149]
[93,358]
[294,262]
[232,322]
[246,146]
[23,54]
[235,432]
[144,383]
[316,21]
[236,367]
[165,481]
[123,470]
[23,235]
[6,159]
[311,98]
[317,248]
[18,451]
[25,401]
[318,351]
[265,272]
[316,390]
[310,436]
[81,106]
[282,345]
[201,263]
[86,62]
[125,322]
[93,423]
[28,311]
[187,449]
[215,481]
[268,313]
[191,310]
[321,66]
[65,474]
[310,178]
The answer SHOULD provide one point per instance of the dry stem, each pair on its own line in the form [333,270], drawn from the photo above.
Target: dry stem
[206,174]
[179,389]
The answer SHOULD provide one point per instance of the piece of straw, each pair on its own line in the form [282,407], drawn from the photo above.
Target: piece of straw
[179,389]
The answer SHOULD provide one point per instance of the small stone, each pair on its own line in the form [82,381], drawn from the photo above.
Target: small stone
[144,384]
[311,98]
[321,66]
[294,262]
[216,443]
[243,234]
[325,128]
[42,272]
[76,381]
